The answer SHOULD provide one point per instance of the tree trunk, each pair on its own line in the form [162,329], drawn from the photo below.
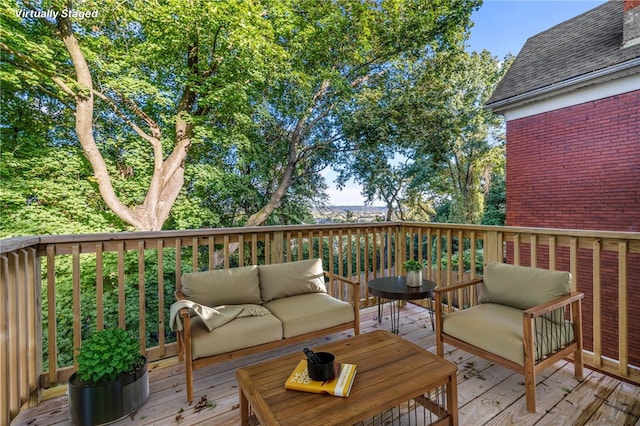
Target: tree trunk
[295,139]
[261,216]
[84,125]
[168,175]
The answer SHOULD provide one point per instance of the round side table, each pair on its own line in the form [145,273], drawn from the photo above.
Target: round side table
[395,289]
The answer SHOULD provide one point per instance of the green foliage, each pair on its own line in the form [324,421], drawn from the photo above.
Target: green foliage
[425,139]
[51,192]
[107,354]
[195,62]
[442,212]
[414,265]
[495,212]
[471,136]
[265,91]
[466,259]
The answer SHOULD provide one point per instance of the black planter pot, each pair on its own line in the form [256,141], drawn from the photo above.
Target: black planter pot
[91,405]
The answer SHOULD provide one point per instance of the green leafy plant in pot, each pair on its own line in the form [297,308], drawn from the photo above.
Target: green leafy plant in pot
[414,272]
[111,381]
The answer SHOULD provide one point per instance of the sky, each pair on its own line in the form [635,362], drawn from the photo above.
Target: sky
[501,27]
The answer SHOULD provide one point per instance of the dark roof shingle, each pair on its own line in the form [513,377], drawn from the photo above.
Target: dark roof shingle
[581,45]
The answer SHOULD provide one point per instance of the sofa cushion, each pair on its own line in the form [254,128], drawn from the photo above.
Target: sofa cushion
[234,286]
[497,329]
[310,312]
[521,287]
[238,334]
[289,279]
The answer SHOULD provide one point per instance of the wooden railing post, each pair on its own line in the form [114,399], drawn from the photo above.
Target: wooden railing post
[400,248]
[277,241]
[20,326]
[492,246]
[623,309]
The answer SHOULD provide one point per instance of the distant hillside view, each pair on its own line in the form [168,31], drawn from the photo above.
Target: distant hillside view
[341,214]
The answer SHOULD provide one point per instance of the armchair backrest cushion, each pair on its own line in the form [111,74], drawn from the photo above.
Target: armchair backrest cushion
[522,287]
[290,279]
[233,286]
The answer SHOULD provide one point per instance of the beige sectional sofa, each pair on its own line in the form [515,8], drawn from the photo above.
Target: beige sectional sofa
[266,306]
[522,318]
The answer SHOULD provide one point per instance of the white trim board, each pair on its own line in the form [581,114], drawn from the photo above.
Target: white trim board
[576,97]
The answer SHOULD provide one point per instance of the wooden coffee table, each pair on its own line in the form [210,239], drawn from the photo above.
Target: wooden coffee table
[391,372]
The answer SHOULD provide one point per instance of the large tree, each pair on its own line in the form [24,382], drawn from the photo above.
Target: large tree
[152,73]
[337,49]
[472,136]
[429,113]
[245,92]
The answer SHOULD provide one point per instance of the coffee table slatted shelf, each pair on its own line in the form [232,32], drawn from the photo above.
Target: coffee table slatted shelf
[408,413]
[396,379]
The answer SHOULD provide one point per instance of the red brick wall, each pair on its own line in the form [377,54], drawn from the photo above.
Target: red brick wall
[630,4]
[579,168]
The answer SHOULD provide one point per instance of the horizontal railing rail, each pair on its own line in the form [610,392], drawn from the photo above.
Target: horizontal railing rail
[56,290]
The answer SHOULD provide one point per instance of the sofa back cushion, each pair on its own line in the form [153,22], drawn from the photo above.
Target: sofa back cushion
[290,279]
[234,286]
[521,287]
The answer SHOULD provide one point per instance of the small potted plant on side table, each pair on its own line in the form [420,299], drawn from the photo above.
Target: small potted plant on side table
[111,381]
[414,272]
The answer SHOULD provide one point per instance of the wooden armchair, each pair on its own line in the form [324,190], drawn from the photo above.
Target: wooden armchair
[522,318]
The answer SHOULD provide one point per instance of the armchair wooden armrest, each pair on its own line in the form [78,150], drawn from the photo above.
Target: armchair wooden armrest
[552,305]
[535,339]
[459,290]
[184,312]
[456,286]
[184,343]
[354,295]
[351,281]
[354,285]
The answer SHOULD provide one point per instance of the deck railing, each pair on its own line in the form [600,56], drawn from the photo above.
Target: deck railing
[55,290]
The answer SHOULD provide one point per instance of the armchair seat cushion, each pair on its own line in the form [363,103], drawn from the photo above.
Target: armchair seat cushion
[305,313]
[497,329]
[237,334]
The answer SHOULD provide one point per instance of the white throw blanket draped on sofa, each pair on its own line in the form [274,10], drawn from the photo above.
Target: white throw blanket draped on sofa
[213,317]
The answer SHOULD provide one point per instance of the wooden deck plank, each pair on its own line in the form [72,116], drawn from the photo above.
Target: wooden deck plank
[485,407]
[476,376]
[549,392]
[621,408]
[487,394]
[583,401]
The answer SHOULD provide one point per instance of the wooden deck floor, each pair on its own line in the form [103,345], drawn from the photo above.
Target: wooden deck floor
[487,394]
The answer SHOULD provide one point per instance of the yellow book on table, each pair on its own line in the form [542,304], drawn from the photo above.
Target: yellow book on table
[340,385]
